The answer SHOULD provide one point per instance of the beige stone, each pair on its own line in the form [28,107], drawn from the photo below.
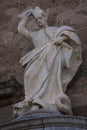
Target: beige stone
[50,66]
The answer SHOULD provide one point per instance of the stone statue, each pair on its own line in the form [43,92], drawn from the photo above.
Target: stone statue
[50,66]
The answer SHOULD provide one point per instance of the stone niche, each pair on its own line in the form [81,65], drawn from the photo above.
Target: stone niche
[13,46]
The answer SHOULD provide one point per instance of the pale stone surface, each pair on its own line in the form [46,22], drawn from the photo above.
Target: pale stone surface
[50,66]
[10,53]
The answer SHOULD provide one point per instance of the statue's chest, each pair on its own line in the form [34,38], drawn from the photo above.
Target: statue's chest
[40,39]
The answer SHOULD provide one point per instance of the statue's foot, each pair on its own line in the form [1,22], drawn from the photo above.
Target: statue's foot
[35,107]
[17,112]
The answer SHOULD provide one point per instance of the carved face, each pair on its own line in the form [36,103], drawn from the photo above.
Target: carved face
[42,20]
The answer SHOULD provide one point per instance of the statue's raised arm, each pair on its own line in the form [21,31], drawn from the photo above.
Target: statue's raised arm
[40,18]
[24,17]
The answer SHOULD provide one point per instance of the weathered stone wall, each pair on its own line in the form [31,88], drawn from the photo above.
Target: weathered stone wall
[13,45]
[6,114]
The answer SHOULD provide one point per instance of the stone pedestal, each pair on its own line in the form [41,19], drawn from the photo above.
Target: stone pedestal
[46,120]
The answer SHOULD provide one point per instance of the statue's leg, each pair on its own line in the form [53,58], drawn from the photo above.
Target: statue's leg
[62,101]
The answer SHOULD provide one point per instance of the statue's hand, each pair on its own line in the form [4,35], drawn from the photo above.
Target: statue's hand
[60,40]
[25,13]
[37,12]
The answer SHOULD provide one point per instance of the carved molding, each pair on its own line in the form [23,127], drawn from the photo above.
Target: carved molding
[45,119]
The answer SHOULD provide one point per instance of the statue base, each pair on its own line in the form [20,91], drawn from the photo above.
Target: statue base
[45,120]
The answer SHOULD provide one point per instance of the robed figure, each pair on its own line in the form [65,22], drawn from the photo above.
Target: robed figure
[50,66]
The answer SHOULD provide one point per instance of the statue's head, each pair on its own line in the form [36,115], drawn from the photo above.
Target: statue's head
[40,16]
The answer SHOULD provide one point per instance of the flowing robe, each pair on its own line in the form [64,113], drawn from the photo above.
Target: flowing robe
[51,65]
